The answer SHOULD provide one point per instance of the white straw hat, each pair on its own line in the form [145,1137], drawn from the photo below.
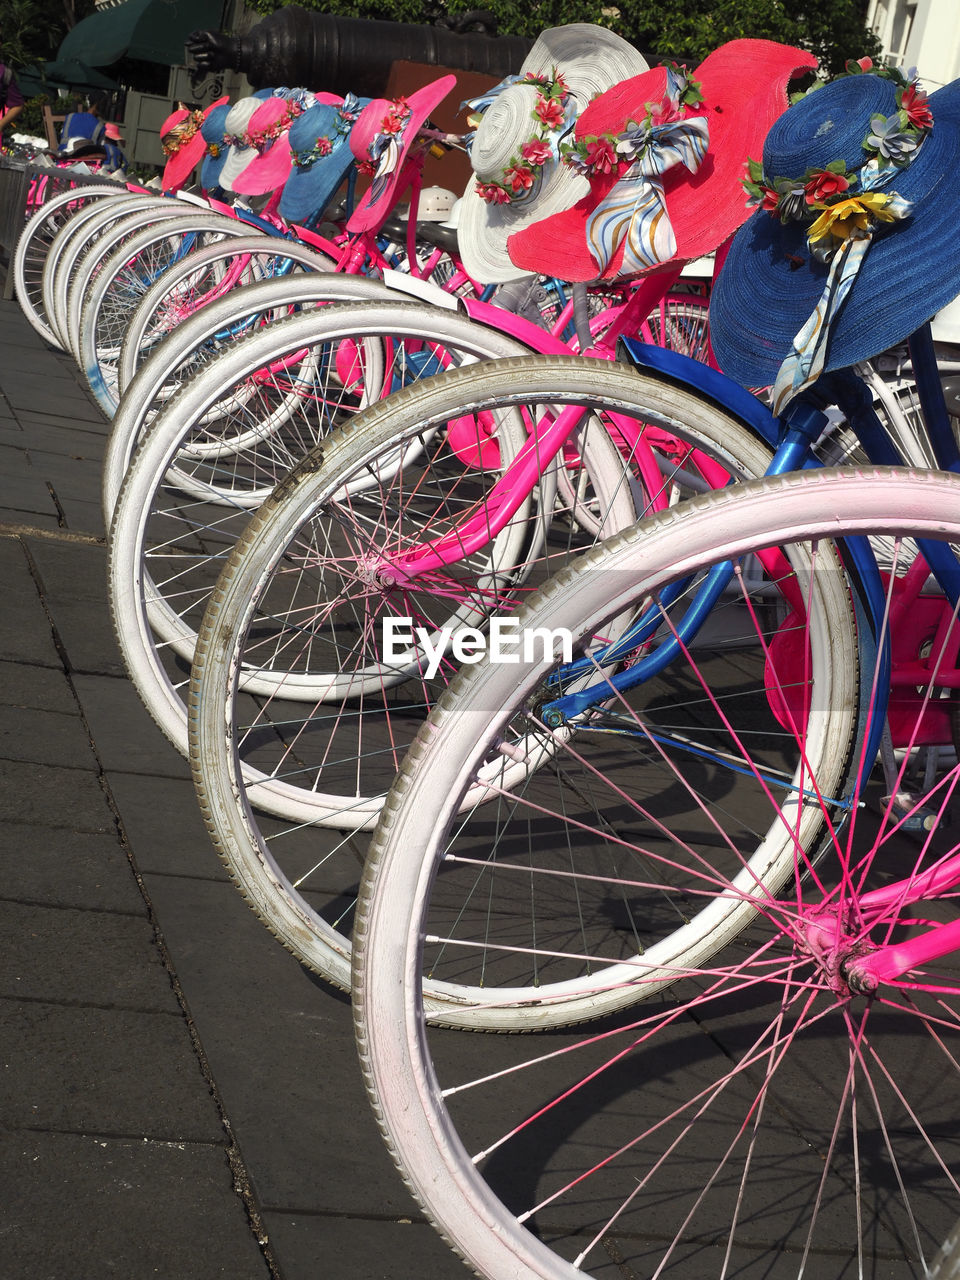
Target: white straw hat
[514,153]
[235,126]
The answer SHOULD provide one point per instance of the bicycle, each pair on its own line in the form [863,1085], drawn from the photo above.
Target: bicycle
[764,1105]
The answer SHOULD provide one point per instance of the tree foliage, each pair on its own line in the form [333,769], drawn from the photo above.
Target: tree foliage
[32,30]
[687,30]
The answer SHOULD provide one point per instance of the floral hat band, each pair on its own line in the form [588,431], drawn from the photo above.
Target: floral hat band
[553,115]
[843,209]
[633,213]
[182,133]
[262,138]
[346,116]
[383,153]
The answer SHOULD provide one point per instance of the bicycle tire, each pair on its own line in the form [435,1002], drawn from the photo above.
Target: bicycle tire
[71,245]
[73,286]
[33,246]
[133,592]
[745,1122]
[122,277]
[182,291]
[226,734]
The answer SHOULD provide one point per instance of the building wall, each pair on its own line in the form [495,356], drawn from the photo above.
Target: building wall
[920,33]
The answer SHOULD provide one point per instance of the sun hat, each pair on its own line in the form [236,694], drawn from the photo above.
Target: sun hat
[239,151]
[182,143]
[654,195]
[381,140]
[854,244]
[514,153]
[268,131]
[215,149]
[319,156]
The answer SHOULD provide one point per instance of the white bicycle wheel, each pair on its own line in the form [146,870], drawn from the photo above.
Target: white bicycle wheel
[34,244]
[290,679]
[198,341]
[74,240]
[120,282]
[202,279]
[153,506]
[92,260]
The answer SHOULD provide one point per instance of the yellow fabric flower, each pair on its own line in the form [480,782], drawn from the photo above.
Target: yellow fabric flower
[842,219]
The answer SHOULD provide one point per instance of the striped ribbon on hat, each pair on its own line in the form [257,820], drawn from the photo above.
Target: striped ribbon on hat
[851,223]
[633,212]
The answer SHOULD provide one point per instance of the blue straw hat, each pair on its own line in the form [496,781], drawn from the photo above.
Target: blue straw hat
[320,155]
[772,283]
[212,131]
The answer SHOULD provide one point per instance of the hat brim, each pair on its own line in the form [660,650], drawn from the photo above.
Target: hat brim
[770,283]
[371,213]
[705,207]
[179,167]
[309,191]
[591,60]
[211,169]
[237,160]
[268,171]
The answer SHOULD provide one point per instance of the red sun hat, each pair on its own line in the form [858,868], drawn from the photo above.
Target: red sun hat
[183,144]
[743,86]
[381,140]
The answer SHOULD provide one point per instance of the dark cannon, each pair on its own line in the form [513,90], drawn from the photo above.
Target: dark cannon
[319,51]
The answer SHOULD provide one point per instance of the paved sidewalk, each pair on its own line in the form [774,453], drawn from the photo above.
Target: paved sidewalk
[180,1099]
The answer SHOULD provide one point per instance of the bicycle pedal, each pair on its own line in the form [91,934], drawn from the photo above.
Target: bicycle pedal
[913,815]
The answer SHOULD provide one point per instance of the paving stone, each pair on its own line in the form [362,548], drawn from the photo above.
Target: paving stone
[126,738]
[90,957]
[45,795]
[15,521]
[70,571]
[90,1208]
[51,375]
[360,1248]
[53,435]
[175,845]
[68,868]
[27,495]
[276,1038]
[22,684]
[80,515]
[42,399]
[25,634]
[45,737]
[102,1071]
[87,635]
[68,472]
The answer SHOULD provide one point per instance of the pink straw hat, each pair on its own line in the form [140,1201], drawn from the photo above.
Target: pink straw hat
[381,140]
[743,90]
[183,144]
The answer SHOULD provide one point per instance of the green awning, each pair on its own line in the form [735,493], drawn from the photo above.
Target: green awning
[153,30]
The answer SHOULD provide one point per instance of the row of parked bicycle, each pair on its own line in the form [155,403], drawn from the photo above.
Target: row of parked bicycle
[534,672]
